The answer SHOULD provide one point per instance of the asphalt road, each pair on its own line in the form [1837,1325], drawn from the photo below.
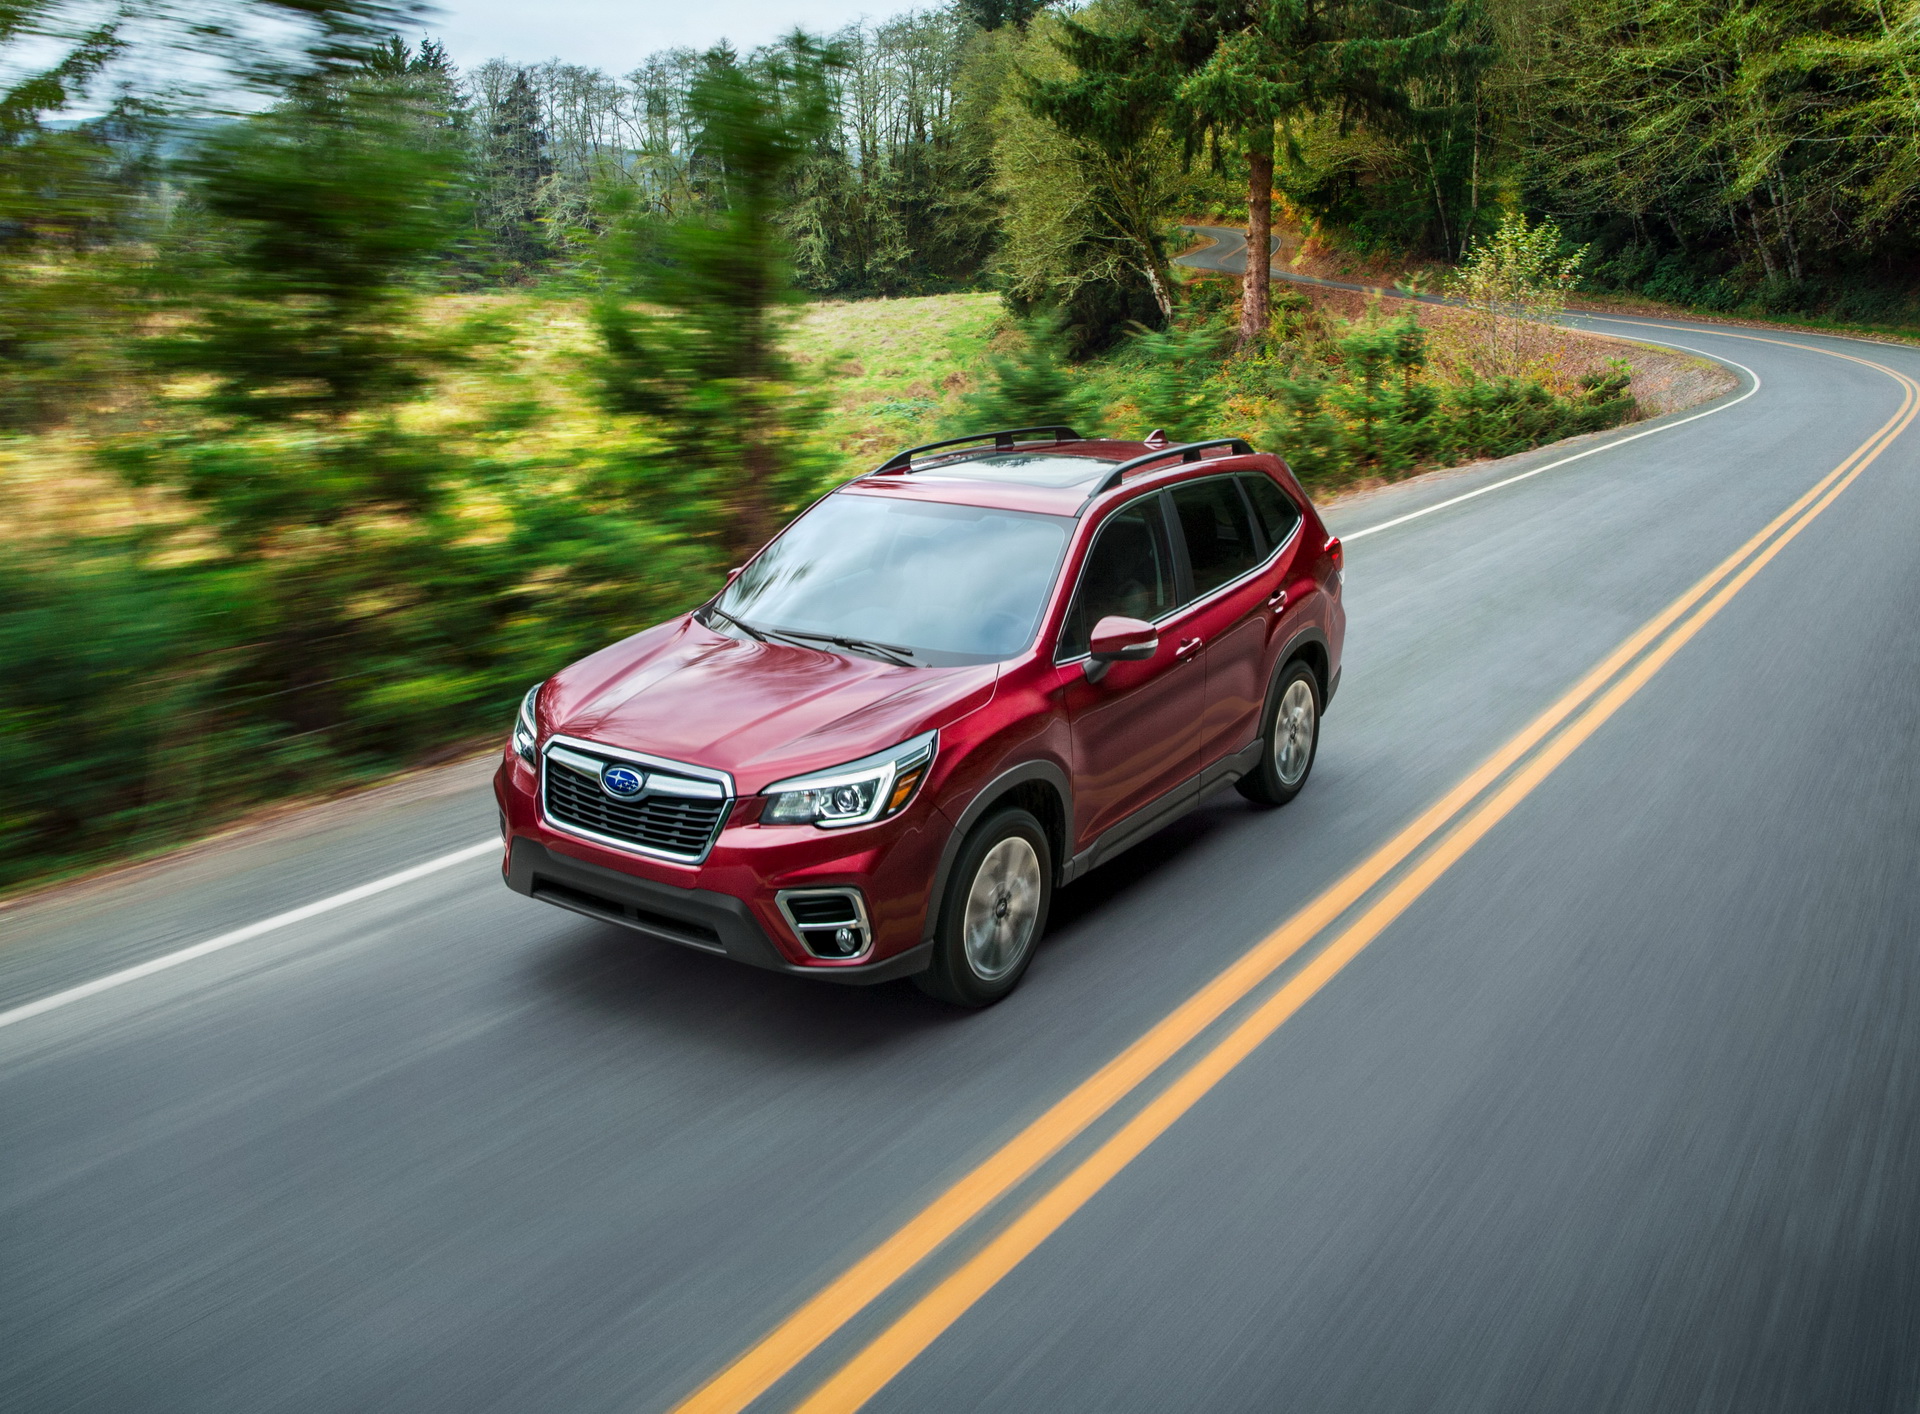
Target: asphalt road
[1616,1105]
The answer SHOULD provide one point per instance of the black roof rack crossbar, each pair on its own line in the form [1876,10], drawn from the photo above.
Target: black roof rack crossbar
[1186,451]
[903,461]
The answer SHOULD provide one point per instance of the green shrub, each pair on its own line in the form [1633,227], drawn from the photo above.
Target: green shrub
[1169,378]
[1030,386]
[104,733]
[1379,413]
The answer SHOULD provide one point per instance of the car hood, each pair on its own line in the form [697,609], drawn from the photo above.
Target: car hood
[760,711]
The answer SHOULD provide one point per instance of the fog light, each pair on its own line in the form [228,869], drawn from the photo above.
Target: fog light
[830,923]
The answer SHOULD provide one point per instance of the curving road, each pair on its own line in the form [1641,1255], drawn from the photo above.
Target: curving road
[1559,1048]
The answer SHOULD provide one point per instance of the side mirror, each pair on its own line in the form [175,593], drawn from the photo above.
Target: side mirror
[1120,640]
[734,573]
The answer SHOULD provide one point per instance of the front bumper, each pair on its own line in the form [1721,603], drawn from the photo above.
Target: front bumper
[694,918]
[737,919]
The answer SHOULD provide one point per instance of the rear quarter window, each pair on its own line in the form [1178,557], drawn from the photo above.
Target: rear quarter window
[1273,508]
[1217,531]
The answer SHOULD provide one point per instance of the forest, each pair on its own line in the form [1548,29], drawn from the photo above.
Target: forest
[343,393]
[1758,157]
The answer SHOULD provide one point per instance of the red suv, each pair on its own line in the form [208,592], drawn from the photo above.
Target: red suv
[952,684]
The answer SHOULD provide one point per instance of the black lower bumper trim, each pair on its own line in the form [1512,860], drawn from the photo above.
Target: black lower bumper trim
[693,918]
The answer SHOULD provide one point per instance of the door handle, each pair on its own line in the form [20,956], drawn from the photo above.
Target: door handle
[1278,599]
[1186,649]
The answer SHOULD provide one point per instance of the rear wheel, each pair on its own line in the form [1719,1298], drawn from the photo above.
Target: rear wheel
[1290,740]
[994,911]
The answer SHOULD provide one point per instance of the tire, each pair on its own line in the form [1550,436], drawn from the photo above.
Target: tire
[994,911]
[1289,737]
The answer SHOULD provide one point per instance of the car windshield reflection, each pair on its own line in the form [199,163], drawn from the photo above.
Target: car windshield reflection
[951,584]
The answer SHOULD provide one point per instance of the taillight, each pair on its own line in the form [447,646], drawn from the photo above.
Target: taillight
[1336,553]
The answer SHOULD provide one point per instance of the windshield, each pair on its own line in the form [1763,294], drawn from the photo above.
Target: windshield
[954,584]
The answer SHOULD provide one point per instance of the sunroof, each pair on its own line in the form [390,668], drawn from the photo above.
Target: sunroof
[1027,468]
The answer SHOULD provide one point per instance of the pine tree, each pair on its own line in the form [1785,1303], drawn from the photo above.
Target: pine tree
[1031,387]
[515,170]
[995,14]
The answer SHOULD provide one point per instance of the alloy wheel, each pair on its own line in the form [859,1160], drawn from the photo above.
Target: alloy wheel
[1002,908]
[1293,728]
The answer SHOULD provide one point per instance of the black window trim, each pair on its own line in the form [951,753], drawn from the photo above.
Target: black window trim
[1177,545]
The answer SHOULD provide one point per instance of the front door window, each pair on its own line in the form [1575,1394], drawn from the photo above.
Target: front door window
[1128,573]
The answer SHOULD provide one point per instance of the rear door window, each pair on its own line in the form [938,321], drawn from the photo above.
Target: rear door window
[1273,508]
[1128,572]
[1217,532]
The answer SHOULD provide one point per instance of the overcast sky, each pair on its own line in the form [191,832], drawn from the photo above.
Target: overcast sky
[616,35]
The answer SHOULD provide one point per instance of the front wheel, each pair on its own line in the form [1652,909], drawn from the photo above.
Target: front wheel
[1291,738]
[994,911]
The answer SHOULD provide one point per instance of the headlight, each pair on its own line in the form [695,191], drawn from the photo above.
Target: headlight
[526,736]
[857,793]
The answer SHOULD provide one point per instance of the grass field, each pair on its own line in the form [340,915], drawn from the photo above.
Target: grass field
[887,370]
[893,366]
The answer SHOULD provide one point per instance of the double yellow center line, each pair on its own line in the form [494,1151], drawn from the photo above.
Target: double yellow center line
[1433,842]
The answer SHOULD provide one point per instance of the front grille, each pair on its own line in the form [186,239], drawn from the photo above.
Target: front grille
[675,825]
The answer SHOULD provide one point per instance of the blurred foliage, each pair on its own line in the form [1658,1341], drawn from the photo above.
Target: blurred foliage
[67,194]
[324,210]
[1029,385]
[99,709]
[692,308]
[1172,388]
[343,589]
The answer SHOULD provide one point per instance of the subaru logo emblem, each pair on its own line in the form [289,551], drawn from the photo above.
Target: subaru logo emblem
[621,782]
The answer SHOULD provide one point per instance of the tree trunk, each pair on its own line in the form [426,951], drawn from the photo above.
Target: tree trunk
[1473,209]
[1162,296]
[1256,285]
[1760,240]
[750,523]
[1784,216]
[1439,201]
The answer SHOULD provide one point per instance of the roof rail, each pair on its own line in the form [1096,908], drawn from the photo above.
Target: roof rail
[903,461]
[1186,451]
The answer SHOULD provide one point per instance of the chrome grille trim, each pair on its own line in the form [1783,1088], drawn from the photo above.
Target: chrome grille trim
[676,820]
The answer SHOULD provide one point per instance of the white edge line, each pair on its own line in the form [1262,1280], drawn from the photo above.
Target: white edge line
[1589,452]
[246,934]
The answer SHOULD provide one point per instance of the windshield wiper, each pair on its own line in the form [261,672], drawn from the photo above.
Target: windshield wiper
[741,624]
[891,652]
